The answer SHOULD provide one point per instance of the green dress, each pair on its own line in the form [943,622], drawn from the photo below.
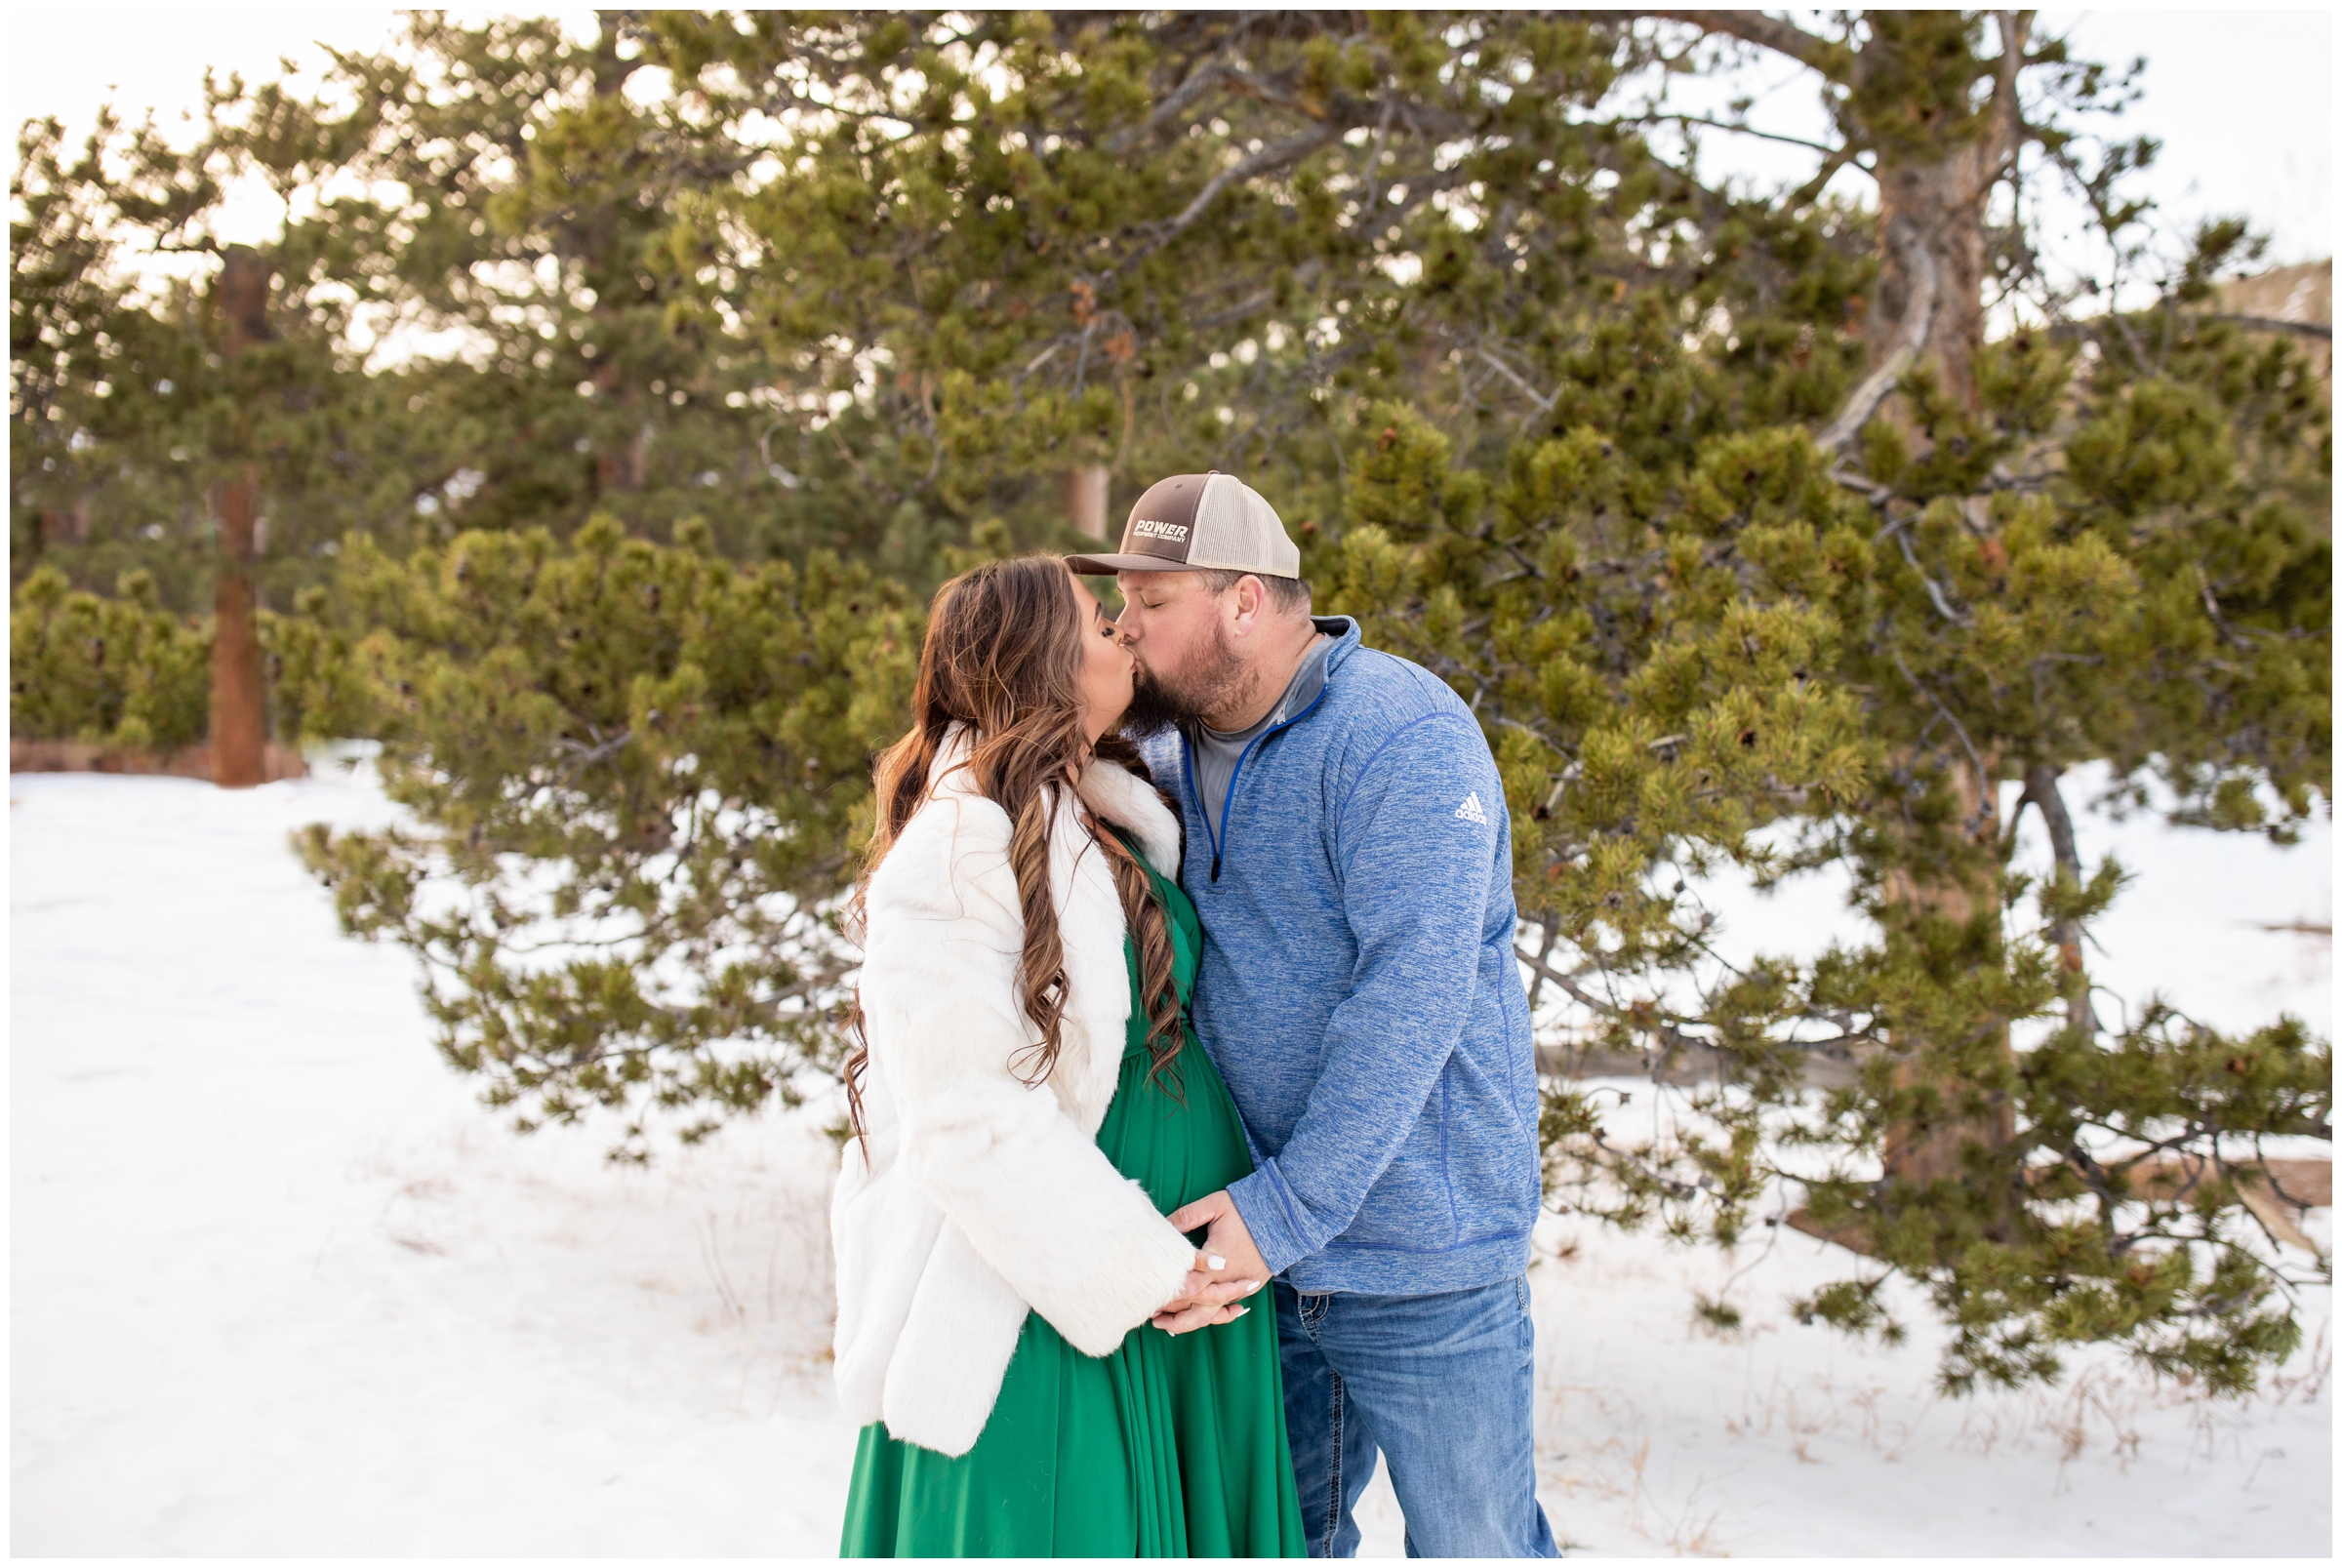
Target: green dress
[1173,1446]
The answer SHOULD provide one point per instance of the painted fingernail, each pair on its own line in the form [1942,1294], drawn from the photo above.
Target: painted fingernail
[1238,1312]
[1216,1263]
[1251,1285]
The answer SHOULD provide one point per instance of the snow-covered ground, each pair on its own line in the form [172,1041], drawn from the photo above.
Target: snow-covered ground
[279,1286]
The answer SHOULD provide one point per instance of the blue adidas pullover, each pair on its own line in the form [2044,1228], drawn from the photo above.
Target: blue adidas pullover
[1357,986]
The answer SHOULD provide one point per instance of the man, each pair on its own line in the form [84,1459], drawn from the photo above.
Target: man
[1348,851]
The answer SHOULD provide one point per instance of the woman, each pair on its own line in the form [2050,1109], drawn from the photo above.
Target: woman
[1028,1102]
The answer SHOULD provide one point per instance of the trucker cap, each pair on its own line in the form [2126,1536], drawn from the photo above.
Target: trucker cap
[1199,522]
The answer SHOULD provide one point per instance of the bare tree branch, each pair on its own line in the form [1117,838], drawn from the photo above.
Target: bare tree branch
[1935,593]
[1544,401]
[1984,775]
[1201,81]
[1769,32]
[1811,190]
[2009,129]
[2041,793]
[1748,130]
[2321,329]
[2041,790]
[1281,155]
[1259,299]
[1919,313]
[1373,154]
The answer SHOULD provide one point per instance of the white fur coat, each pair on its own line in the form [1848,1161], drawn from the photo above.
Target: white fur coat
[979,1197]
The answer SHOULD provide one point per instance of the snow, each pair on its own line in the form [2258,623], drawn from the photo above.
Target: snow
[280,1286]
[2207,919]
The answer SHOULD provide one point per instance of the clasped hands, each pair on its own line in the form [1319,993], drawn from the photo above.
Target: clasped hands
[1228,1268]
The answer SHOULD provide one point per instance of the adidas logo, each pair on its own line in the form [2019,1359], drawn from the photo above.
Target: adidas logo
[1470,809]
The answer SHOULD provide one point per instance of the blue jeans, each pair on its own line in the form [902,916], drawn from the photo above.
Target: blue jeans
[1443,1385]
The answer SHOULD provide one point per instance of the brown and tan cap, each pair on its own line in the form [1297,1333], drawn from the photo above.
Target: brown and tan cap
[1199,522]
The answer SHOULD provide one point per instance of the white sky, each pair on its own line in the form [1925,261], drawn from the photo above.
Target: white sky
[2243,102]
[2243,99]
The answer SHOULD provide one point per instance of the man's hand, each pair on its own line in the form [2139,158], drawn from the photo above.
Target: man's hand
[1228,1268]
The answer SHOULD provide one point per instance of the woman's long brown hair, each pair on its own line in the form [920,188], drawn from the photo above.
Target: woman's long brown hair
[1003,656]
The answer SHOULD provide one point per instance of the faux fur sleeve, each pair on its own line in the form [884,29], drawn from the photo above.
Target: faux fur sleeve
[1032,1193]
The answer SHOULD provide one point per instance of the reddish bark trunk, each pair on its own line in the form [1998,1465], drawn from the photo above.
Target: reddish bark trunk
[239,733]
[1933,201]
[1081,492]
[1935,206]
[239,728]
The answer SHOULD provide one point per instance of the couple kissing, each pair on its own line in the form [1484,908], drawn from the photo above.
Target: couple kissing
[1194,1152]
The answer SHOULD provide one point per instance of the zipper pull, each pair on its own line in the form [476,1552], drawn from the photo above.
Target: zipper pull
[1215,865]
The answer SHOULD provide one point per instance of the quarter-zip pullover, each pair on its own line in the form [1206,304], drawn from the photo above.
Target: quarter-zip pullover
[1217,753]
[1358,989]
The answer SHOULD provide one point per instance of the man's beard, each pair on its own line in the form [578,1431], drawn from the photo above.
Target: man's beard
[1158,703]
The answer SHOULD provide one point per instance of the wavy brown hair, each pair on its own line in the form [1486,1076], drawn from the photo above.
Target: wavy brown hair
[1003,656]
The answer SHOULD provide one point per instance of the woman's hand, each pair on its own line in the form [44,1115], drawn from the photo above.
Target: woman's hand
[1227,1269]
[1207,1295]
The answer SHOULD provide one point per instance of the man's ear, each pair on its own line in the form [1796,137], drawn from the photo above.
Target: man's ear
[1251,598]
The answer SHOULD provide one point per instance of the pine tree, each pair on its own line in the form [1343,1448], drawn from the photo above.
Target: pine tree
[2085,541]
[513,192]
[1745,540]
[641,771]
[121,671]
[137,394]
[124,672]
[484,312]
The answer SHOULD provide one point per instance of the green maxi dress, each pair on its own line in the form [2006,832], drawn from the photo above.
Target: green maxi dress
[1171,1446]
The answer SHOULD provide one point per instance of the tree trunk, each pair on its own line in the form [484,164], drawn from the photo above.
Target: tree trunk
[239,699]
[2074,979]
[239,727]
[1931,220]
[1927,312]
[1934,194]
[1081,492]
[1936,163]
[623,469]
[1929,1148]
